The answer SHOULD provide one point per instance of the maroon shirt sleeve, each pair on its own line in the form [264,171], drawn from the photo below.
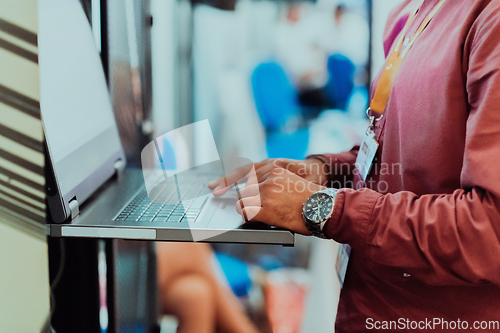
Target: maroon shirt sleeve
[442,239]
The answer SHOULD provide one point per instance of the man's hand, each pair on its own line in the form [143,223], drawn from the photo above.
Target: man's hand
[311,169]
[277,200]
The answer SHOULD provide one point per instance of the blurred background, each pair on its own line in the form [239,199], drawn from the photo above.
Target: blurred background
[274,79]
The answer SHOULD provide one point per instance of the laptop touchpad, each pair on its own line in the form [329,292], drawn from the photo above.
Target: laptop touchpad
[225,216]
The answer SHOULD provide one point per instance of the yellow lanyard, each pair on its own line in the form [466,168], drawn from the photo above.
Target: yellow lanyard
[384,87]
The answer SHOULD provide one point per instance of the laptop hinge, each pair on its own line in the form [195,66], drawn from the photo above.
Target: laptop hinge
[74,208]
[119,166]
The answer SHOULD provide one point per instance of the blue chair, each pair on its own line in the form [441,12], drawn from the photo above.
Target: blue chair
[237,273]
[290,145]
[341,81]
[277,104]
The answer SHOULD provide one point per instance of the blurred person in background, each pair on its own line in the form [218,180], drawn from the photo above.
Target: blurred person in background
[349,35]
[221,91]
[308,35]
[191,290]
[298,49]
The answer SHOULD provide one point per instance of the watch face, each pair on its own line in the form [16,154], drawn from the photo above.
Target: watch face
[318,207]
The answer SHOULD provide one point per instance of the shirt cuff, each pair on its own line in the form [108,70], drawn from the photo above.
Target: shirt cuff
[351,217]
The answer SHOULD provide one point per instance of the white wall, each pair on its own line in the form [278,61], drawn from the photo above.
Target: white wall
[24,267]
[164,57]
[24,280]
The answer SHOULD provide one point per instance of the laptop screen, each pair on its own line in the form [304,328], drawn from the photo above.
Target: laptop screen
[78,119]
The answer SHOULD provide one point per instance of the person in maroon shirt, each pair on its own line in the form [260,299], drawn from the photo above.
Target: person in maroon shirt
[425,225]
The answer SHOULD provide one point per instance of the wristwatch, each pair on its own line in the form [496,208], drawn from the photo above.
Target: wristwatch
[318,209]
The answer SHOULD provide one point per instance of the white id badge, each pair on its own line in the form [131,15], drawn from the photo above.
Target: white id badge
[366,155]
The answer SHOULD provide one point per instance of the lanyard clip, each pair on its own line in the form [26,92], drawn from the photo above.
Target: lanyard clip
[373,120]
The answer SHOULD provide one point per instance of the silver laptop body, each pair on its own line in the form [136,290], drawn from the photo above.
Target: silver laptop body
[90,192]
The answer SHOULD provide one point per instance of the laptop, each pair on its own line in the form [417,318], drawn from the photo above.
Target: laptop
[90,192]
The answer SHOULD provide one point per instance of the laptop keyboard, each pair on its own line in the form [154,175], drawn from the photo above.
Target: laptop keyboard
[141,208]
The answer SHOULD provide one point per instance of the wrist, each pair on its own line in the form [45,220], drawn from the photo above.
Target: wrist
[322,164]
[317,211]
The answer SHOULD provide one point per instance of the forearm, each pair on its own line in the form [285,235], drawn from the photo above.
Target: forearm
[449,239]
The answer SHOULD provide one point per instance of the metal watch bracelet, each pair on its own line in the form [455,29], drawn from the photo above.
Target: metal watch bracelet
[316,229]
